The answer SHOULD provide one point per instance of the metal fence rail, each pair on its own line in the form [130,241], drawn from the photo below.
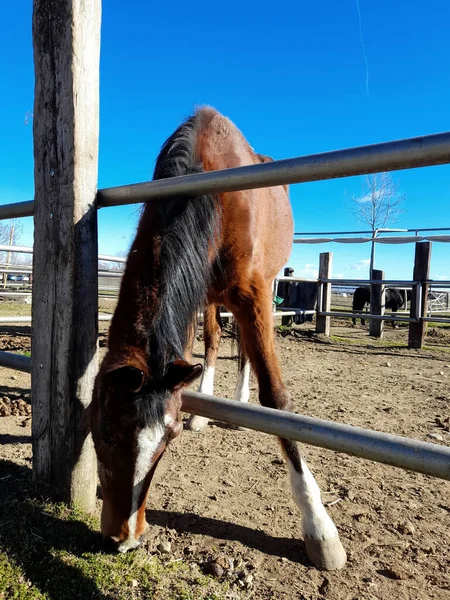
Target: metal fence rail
[422,457]
[29,249]
[410,230]
[367,316]
[107,317]
[16,210]
[409,153]
[367,282]
[390,156]
[415,286]
[15,361]
[107,258]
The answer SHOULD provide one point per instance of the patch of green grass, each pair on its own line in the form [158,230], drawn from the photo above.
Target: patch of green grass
[107,305]
[17,309]
[51,552]
[344,340]
[283,330]
[440,325]
[436,348]
[13,583]
[375,342]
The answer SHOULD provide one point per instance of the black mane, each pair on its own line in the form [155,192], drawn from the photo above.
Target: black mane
[188,226]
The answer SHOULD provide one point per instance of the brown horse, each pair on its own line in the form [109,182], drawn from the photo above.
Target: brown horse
[188,253]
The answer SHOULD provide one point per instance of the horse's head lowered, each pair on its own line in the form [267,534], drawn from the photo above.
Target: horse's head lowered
[134,416]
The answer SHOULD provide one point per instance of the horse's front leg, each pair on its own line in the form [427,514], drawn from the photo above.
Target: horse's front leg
[212,332]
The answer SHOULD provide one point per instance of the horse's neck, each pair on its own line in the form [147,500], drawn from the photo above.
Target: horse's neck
[138,298]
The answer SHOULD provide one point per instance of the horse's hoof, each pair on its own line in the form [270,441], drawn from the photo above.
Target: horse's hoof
[327,555]
[196,423]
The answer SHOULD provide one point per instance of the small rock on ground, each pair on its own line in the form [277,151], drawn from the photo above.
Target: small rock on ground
[164,547]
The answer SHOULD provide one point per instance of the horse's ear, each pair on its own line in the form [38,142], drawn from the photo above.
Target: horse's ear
[180,374]
[126,378]
[265,159]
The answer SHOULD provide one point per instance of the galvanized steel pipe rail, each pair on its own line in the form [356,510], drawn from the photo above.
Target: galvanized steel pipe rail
[425,151]
[406,453]
[15,361]
[287,312]
[389,156]
[367,316]
[16,210]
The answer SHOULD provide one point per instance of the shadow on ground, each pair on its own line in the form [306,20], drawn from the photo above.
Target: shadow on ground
[30,536]
[292,549]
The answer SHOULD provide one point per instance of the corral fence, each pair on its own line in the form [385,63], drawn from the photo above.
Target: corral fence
[302,298]
[108,285]
[438,299]
[425,306]
[65,262]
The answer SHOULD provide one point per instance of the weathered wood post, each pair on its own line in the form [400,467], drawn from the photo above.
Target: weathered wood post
[377,304]
[325,268]
[422,260]
[66,40]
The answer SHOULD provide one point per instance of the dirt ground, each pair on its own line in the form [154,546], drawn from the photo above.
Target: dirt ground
[224,493]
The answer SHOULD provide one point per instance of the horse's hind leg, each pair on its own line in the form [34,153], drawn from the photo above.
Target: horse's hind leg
[252,306]
[212,332]
[242,392]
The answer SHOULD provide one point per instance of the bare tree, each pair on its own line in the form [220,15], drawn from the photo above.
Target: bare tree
[10,233]
[111,265]
[379,206]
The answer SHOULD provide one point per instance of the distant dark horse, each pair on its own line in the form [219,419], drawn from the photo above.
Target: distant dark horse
[395,299]
[191,252]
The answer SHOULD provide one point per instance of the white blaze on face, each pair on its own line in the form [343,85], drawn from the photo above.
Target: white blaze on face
[242,393]
[147,443]
[316,522]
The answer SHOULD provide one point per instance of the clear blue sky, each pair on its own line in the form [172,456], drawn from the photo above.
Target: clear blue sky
[292,75]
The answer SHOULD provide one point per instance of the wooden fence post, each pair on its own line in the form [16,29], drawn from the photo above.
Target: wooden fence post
[377,304]
[422,260]
[66,41]
[325,268]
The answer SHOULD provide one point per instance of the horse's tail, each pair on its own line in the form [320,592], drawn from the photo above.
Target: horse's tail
[189,229]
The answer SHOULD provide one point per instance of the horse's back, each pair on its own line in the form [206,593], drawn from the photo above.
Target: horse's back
[257,225]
